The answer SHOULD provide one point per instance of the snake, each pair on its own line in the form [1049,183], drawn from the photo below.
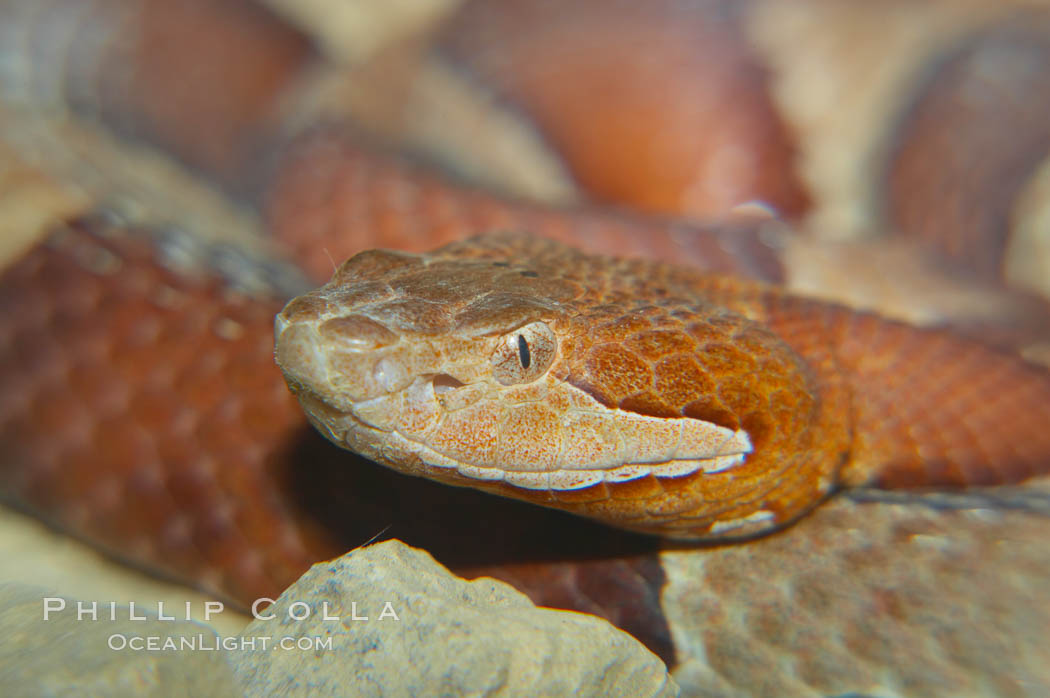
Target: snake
[651,373]
[642,395]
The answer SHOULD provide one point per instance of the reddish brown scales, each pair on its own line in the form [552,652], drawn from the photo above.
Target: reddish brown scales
[330,198]
[964,151]
[931,408]
[114,425]
[204,79]
[703,365]
[694,366]
[662,106]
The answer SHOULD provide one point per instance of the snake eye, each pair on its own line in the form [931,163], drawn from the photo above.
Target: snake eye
[524,355]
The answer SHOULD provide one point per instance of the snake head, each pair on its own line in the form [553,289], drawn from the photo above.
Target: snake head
[525,368]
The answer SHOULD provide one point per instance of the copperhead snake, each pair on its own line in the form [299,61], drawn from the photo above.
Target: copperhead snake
[158,329]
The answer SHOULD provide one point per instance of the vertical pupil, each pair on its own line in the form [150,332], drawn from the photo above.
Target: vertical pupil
[523,352]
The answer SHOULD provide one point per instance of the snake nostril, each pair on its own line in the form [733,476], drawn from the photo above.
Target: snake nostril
[443,383]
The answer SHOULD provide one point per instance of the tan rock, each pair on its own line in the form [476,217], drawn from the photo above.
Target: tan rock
[67,656]
[877,598]
[430,633]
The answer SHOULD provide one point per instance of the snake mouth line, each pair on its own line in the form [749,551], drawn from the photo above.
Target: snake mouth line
[561,479]
[363,418]
[574,479]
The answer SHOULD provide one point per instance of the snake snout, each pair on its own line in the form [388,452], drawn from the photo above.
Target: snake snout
[341,360]
[299,356]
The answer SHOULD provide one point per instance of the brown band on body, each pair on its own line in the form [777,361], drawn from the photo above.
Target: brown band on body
[661,106]
[206,80]
[330,197]
[972,137]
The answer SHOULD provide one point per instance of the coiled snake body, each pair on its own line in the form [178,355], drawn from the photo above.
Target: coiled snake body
[693,397]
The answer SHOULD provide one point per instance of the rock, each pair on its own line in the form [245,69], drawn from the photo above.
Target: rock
[65,656]
[384,620]
[868,598]
[430,633]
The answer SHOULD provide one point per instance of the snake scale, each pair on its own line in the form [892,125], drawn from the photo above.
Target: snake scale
[141,410]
